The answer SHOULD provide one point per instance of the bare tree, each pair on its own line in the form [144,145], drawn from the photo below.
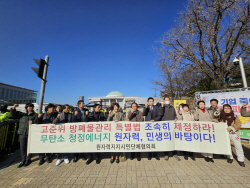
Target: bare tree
[206,38]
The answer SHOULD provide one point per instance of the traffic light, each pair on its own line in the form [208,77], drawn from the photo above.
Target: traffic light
[39,71]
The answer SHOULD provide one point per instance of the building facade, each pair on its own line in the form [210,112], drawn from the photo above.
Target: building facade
[123,101]
[10,93]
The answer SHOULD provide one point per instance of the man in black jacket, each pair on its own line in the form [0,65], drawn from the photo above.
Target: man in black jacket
[95,116]
[151,113]
[80,115]
[25,120]
[63,117]
[168,113]
[46,118]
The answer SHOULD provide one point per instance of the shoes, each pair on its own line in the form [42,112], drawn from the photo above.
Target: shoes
[242,164]
[211,160]
[98,161]
[48,160]
[166,157]
[230,161]
[41,162]
[84,158]
[185,157]
[131,158]
[138,158]
[89,161]
[112,160]
[58,162]
[75,160]
[192,157]
[157,158]
[206,159]
[177,158]
[66,161]
[117,161]
[149,157]
[27,163]
[21,164]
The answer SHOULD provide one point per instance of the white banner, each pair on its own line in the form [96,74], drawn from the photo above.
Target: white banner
[235,99]
[202,137]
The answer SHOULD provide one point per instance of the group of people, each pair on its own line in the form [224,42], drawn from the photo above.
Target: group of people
[153,113]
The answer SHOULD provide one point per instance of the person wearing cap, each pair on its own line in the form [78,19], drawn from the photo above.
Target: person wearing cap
[25,119]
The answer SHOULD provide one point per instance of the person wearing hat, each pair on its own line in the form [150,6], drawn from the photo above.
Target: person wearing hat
[25,119]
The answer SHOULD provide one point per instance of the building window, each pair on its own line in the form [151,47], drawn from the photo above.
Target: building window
[21,96]
[11,94]
[2,94]
[7,94]
[18,95]
[14,95]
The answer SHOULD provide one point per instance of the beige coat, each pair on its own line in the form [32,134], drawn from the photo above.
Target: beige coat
[200,116]
[137,118]
[235,125]
[186,116]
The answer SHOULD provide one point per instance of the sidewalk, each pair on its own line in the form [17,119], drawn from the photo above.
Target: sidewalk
[145,174]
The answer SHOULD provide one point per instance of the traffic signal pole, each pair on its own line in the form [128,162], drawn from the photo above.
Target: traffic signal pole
[43,85]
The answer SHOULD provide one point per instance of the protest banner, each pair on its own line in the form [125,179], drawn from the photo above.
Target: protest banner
[203,137]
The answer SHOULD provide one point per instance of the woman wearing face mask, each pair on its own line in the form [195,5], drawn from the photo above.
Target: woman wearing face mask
[115,116]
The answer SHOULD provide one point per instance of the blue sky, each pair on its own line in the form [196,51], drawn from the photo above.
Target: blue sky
[95,47]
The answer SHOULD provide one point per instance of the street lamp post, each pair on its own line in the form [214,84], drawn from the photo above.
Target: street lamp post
[243,75]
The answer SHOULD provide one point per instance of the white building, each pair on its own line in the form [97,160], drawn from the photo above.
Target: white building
[10,93]
[116,96]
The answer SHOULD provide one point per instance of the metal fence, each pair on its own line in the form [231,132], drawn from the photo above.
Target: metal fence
[9,139]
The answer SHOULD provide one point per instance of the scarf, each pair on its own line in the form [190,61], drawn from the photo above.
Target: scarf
[228,117]
[203,110]
[115,113]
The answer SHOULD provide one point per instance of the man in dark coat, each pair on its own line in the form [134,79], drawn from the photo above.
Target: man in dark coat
[80,115]
[151,113]
[95,116]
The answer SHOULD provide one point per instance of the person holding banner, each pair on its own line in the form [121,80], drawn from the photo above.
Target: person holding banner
[95,116]
[244,112]
[80,115]
[201,114]
[234,124]
[214,109]
[115,116]
[168,113]
[46,118]
[135,115]
[151,113]
[25,120]
[63,117]
[186,115]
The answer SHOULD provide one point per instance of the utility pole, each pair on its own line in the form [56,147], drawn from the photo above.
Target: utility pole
[41,73]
